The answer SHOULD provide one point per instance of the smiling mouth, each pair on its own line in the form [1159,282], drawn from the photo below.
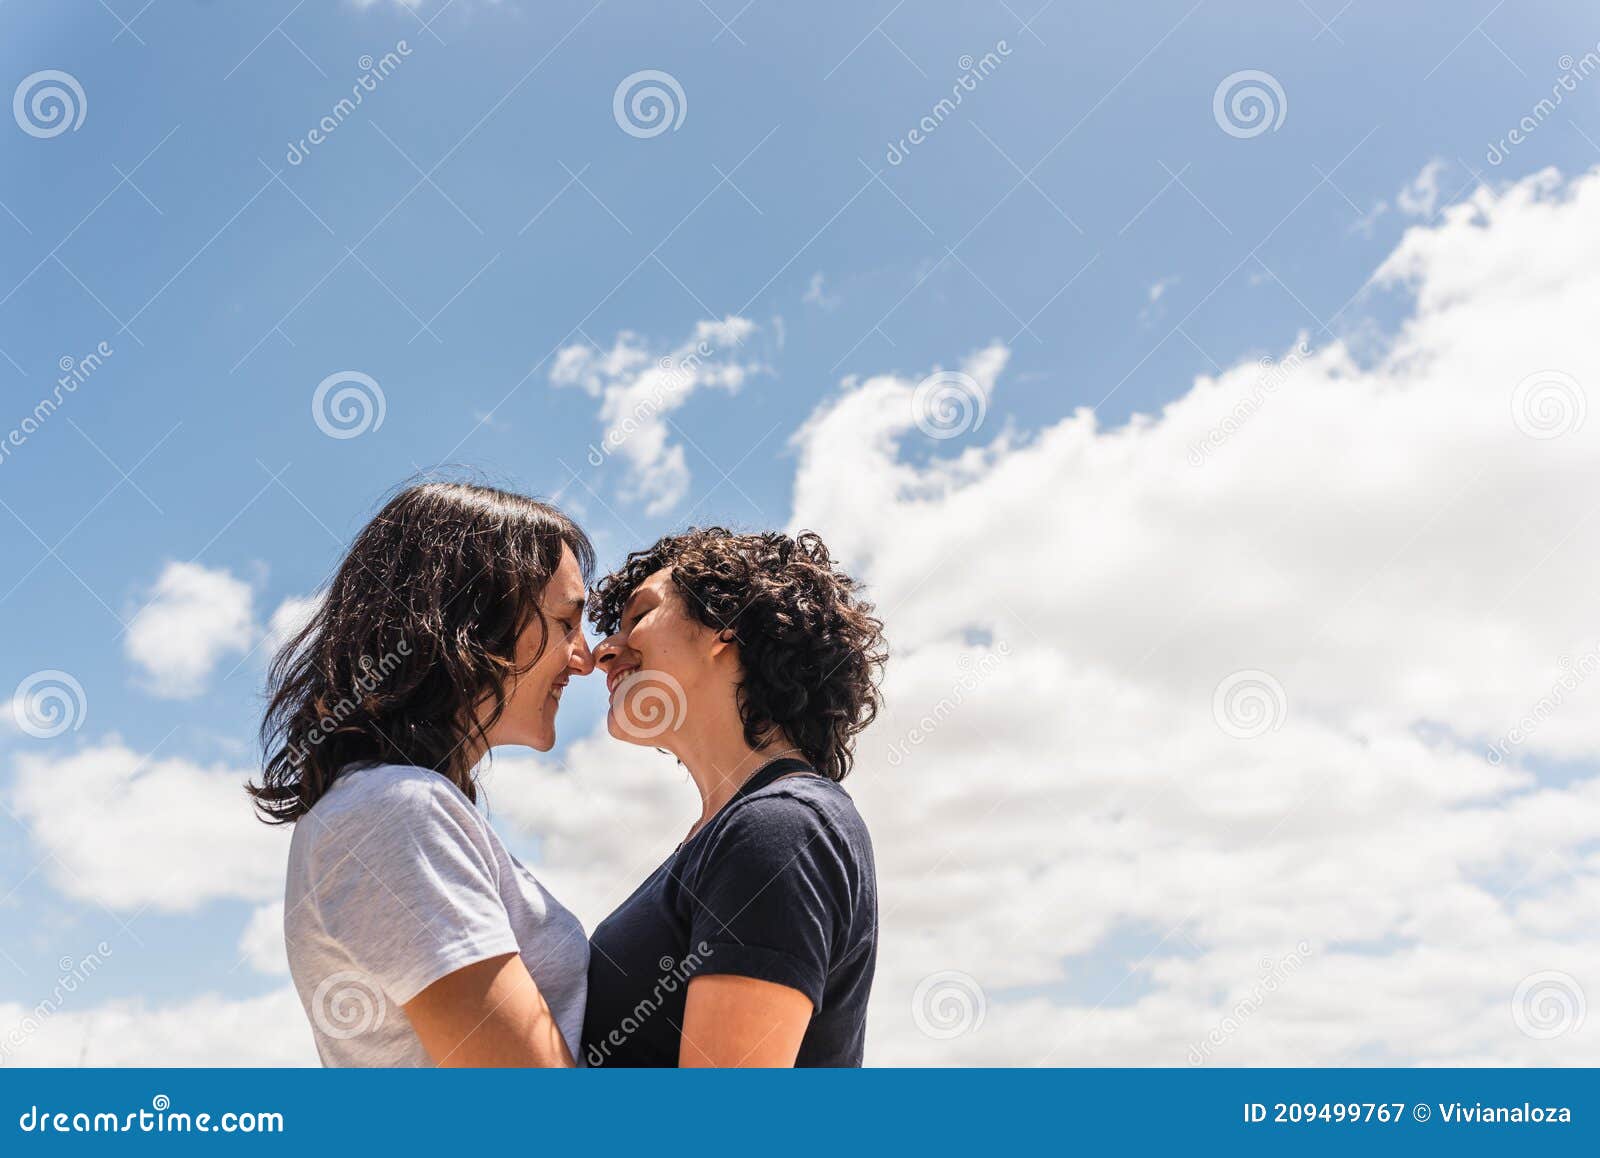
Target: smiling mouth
[616,677]
[557,689]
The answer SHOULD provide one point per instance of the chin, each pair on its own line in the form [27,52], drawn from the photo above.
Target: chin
[617,731]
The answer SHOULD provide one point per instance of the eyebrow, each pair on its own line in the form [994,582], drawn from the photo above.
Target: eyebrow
[632,599]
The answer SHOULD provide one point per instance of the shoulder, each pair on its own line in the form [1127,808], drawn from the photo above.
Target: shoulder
[384,797]
[798,811]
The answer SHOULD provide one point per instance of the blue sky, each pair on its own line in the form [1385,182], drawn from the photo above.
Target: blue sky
[482,209]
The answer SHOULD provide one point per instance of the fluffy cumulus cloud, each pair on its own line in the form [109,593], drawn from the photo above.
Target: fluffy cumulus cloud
[262,943]
[1270,684]
[208,1030]
[133,831]
[638,390]
[1253,731]
[194,617]
[1258,730]
[286,621]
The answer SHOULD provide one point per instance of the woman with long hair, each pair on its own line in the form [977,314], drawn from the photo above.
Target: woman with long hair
[451,626]
[753,659]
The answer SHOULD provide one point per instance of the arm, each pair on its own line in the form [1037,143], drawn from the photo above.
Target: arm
[489,1013]
[770,903]
[739,1022]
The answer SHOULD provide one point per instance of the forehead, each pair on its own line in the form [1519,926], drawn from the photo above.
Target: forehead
[567,582]
[657,584]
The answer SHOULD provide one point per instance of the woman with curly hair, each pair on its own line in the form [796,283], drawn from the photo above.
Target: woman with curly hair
[414,937]
[754,660]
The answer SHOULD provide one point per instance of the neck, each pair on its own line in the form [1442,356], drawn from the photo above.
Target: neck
[720,762]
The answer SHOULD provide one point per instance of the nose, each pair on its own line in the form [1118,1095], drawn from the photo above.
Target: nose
[606,652]
[582,660]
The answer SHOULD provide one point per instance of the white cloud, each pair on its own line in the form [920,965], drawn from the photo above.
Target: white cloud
[815,295]
[262,944]
[637,390]
[1057,811]
[1420,196]
[288,618]
[1367,222]
[209,1030]
[195,616]
[129,831]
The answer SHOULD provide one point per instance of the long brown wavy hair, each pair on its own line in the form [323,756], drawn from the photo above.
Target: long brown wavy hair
[417,629]
[811,649]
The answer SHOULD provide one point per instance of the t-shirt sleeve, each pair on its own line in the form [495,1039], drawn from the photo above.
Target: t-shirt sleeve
[773,897]
[409,889]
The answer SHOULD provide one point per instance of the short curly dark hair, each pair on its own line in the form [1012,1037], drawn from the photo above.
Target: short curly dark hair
[811,648]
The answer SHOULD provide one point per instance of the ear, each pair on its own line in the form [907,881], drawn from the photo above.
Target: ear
[724,642]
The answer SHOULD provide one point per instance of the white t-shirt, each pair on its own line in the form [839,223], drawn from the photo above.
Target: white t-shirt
[396,880]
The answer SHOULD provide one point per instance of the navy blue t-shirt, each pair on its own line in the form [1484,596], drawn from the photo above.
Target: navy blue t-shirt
[779,886]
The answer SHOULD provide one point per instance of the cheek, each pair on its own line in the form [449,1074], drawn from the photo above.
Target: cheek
[667,647]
